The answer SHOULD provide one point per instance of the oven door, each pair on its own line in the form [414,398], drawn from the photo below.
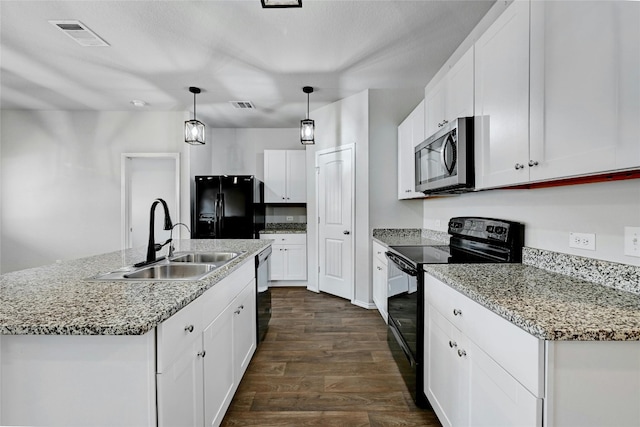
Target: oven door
[402,303]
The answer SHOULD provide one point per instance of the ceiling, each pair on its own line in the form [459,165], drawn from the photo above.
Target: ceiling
[234,50]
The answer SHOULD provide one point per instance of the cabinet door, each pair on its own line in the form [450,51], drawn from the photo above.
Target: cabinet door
[296,176]
[585,103]
[295,262]
[179,389]
[276,263]
[219,376]
[443,371]
[244,328]
[459,89]
[275,173]
[434,108]
[493,396]
[410,134]
[380,286]
[502,99]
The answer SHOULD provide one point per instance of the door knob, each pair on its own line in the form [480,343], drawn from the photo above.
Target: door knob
[346,232]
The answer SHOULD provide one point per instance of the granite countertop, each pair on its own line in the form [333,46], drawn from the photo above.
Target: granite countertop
[285,228]
[409,237]
[58,300]
[547,305]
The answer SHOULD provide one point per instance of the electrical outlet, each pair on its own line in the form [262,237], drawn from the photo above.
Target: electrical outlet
[632,241]
[582,241]
[289,218]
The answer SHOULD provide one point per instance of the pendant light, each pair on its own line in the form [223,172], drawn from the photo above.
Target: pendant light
[307,127]
[194,129]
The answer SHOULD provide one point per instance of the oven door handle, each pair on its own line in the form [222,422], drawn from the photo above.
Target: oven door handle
[403,346]
[401,264]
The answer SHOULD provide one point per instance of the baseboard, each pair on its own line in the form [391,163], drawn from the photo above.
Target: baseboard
[288,283]
[367,305]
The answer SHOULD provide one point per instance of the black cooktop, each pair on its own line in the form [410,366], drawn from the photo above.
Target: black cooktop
[424,254]
[473,240]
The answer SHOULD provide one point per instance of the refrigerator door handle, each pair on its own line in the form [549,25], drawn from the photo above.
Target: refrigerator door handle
[222,213]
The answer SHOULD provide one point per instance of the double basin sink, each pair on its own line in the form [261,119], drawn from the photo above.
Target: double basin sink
[192,265]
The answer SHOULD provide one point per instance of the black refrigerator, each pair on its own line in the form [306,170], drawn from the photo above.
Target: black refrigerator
[228,207]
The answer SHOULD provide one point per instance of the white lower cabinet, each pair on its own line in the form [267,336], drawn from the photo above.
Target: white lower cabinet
[465,384]
[482,370]
[179,388]
[229,343]
[200,368]
[288,259]
[379,279]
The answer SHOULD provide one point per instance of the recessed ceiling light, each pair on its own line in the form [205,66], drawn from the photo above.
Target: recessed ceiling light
[281,3]
[138,103]
[80,33]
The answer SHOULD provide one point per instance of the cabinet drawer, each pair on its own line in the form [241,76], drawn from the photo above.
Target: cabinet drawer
[519,353]
[178,332]
[379,252]
[286,239]
[214,301]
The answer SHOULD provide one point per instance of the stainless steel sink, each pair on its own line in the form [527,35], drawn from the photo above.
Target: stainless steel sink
[188,265]
[171,272]
[217,258]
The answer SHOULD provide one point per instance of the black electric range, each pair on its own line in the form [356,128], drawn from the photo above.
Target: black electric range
[473,240]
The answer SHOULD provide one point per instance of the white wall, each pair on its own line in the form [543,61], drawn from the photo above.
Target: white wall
[549,214]
[241,151]
[387,109]
[61,179]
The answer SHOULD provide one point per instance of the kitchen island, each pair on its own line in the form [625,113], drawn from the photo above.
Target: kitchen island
[80,352]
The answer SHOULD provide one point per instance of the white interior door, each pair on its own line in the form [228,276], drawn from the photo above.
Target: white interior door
[335,227]
[146,178]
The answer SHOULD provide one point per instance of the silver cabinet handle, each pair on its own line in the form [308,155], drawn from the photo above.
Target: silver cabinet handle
[457,312]
[533,163]
[407,191]
[237,312]
[202,353]
[188,328]
[462,353]
[440,125]
[453,344]
[444,122]
[347,232]
[241,307]
[519,166]
[379,269]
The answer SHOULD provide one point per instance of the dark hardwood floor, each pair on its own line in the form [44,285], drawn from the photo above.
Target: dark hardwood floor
[324,362]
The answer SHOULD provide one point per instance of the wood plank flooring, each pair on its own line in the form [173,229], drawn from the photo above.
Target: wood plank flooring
[324,362]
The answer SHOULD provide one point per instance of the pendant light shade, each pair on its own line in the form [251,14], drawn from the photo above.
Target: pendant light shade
[307,127]
[194,129]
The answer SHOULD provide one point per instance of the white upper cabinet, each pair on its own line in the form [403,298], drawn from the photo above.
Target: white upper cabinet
[452,97]
[557,93]
[410,134]
[285,176]
[502,99]
[585,87]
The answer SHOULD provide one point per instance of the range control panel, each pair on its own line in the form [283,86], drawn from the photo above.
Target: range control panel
[482,228]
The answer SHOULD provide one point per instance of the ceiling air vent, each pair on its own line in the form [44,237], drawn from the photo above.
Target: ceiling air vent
[79,32]
[243,105]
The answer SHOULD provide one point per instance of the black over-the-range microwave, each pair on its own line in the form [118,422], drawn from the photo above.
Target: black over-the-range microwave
[444,161]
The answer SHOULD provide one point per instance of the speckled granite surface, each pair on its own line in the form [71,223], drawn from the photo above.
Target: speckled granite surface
[57,300]
[548,305]
[619,276]
[409,236]
[284,228]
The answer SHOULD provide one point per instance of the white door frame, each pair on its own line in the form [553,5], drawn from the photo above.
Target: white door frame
[319,153]
[125,189]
